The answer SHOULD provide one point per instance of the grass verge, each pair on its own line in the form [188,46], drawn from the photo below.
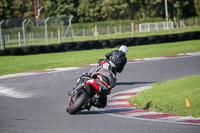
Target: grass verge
[16,64]
[170,97]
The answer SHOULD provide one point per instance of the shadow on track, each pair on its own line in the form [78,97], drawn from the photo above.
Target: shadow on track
[134,83]
[114,111]
[111,111]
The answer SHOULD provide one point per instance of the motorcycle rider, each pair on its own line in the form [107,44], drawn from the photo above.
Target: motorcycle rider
[105,73]
[118,58]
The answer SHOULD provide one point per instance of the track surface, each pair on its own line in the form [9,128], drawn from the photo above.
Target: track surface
[37,103]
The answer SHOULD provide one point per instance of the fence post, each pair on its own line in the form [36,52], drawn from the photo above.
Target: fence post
[181,25]
[19,39]
[115,29]
[149,30]
[83,32]
[24,32]
[59,39]
[70,25]
[177,26]
[1,35]
[32,38]
[68,28]
[132,29]
[136,26]
[46,34]
[108,31]
[120,29]
[196,23]
[96,32]
[170,26]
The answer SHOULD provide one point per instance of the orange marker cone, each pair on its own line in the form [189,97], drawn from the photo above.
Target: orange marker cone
[187,103]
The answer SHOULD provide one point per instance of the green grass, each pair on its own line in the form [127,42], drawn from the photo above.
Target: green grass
[16,64]
[170,97]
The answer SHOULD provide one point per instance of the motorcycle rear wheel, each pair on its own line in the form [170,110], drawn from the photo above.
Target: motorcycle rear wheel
[75,107]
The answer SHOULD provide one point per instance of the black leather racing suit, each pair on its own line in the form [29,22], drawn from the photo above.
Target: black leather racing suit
[118,58]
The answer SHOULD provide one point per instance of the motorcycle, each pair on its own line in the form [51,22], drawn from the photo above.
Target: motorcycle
[84,95]
[86,92]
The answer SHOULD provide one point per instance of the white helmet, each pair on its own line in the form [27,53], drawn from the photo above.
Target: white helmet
[124,49]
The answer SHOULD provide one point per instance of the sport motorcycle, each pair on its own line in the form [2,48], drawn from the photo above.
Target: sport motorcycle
[84,95]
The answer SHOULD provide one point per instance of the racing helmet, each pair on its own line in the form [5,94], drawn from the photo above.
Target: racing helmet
[124,49]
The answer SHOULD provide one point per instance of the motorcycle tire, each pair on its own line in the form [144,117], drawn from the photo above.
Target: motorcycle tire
[77,105]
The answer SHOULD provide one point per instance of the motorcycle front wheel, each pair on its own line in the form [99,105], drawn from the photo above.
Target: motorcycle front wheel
[76,104]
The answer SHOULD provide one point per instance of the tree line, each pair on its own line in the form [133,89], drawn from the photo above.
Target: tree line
[100,10]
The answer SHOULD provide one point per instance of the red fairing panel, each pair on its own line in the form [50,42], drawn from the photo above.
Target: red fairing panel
[94,84]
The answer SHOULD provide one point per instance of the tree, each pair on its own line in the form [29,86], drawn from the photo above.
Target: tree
[89,10]
[16,9]
[197,6]
[5,9]
[181,8]
[100,10]
[115,9]
[22,9]
[148,8]
[59,7]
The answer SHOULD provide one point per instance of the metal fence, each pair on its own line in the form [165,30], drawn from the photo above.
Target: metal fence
[147,27]
[53,30]
[31,31]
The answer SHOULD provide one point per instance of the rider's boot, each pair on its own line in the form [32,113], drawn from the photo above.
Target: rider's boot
[98,104]
[88,106]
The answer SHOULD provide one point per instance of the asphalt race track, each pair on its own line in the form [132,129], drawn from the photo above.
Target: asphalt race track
[37,103]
